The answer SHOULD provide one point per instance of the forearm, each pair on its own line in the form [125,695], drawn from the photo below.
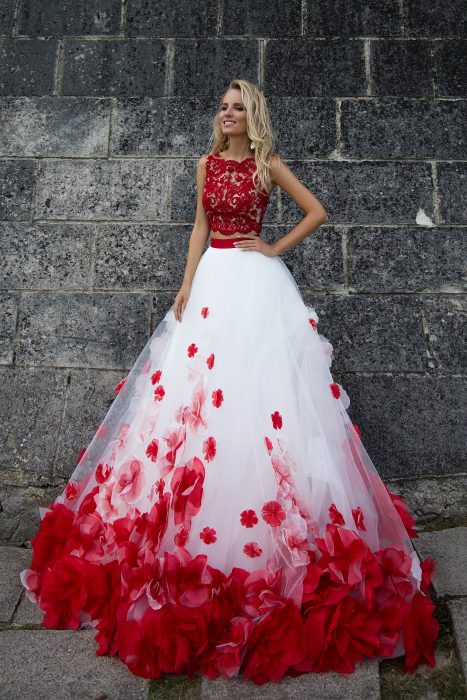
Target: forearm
[195,250]
[307,225]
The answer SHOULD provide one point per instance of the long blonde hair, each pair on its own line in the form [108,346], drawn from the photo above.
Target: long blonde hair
[258,129]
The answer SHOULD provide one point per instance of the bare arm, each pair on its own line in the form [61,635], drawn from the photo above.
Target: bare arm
[200,233]
[315,214]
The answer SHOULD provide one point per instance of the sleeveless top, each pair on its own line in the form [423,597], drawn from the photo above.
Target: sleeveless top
[230,199]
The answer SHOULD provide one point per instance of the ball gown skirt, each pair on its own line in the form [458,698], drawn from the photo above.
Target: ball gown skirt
[226,519]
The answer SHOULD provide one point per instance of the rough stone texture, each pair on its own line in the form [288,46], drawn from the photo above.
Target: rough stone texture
[259,18]
[449,550]
[63,664]
[446,321]
[69,17]
[450,60]
[458,610]
[33,60]
[16,188]
[7,13]
[27,613]
[317,264]
[343,18]
[169,19]
[8,310]
[437,18]
[434,498]
[401,68]
[363,683]
[452,179]
[12,561]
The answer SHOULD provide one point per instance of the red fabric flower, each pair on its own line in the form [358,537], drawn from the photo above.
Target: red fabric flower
[230,650]
[155,378]
[187,490]
[335,389]
[428,566]
[152,449]
[130,480]
[174,440]
[204,311]
[336,517]
[120,386]
[403,510]
[159,393]
[272,513]
[217,398]
[313,323]
[103,472]
[210,361]
[358,518]
[181,536]
[248,518]
[71,490]
[209,449]
[192,350]
[208,535]
[252,549]
[276,420]
[420,633]
[52,539]
[268,444]
[188,580]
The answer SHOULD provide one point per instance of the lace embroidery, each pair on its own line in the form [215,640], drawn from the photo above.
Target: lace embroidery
[230,199]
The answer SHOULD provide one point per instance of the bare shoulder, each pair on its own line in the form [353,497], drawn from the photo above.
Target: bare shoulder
[275,163]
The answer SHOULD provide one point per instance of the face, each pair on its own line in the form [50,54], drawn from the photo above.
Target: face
[232,109]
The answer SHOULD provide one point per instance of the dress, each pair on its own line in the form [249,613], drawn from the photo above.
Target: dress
[226,518]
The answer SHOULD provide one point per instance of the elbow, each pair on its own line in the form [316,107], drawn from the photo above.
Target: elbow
[321,217]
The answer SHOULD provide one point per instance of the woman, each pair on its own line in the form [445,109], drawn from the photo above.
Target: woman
[226,518]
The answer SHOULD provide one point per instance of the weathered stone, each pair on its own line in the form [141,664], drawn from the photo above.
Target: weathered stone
[403,128]
[114,67]
[386,193]
[20,512]
[344,18]
[12,561]
[51,126]
[458,609]
[406,259]
[262,18]
[451,67]
[403,429]
[434,497]
[7,15]
[162,304]
[94,189]
[446,319]
[27,613]
[400,68]
[199,64]
[452,188]
[449,550]
[363,683]
[437,18]
[16,187]
[320,68]
[303,128]
[63,664]
[372,333]
[8,311]
[316,262]
[144,18]
[55,256]
[33,60]
[69,17]
[81,329]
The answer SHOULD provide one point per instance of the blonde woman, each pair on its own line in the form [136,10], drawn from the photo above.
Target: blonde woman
[226,518]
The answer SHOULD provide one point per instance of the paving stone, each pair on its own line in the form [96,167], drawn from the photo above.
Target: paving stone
[12,561]
[44,664]
[436,18]
[69,17]
[363,683]
[449,549]
[353,18]
[33,60]
[263,18]
[451,67]
[171,19]
[27,612]
[452,189]
[401,68]
[458,610]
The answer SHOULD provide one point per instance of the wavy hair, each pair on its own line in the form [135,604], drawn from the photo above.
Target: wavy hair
[258,128]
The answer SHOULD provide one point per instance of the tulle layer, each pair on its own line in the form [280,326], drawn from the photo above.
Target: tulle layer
[226,518]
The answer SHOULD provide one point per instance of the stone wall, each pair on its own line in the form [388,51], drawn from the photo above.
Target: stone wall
[106,107]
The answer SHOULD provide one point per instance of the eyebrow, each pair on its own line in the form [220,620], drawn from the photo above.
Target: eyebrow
[235,103]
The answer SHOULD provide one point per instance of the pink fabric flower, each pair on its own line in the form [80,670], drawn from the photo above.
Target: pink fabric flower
[272,513]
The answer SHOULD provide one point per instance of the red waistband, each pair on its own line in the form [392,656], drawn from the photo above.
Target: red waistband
[225,242]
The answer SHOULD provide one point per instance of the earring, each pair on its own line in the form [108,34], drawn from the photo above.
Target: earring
[252,145]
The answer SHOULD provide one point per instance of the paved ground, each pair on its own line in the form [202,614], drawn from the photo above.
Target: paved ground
[42,664]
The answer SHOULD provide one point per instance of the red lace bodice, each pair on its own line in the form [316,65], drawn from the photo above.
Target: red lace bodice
[230,199]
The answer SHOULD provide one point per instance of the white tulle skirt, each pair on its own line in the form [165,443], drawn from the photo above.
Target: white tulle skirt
[226,517]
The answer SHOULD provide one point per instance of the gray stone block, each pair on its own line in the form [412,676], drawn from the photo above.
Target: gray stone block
[107,189]
[410,426]
[162,301]
[320,68]
[373,333]
[130,256]
[44,664]
[19,517]
[449,550]
[8,313]
[171,18]
[360,193]
[458,609]
[446,319]
[199,65]
[344,18]
[403,128]
[16,188]
[7,15]
[82,329]
[363,683]
[317,261]
[303,128]
[114,67]
[436,19]
[33,60]
[54,256]
[401,68]
[434,497]
[27,613]
[406,259]
[452,189]
[54,126]
[450,59]
[12,561]
[161,126]
[69,17]
[262,18]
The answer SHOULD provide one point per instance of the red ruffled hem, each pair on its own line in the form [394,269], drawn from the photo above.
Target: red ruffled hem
[174,613]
